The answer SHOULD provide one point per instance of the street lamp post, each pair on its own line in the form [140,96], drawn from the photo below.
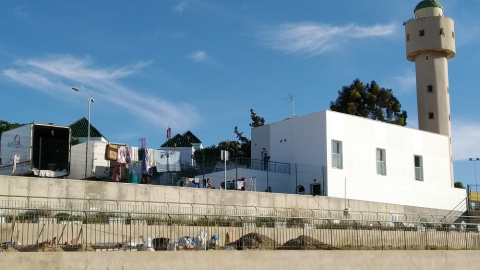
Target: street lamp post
[89,100]
[475,171]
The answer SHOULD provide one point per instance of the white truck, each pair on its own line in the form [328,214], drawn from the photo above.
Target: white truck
[36,149]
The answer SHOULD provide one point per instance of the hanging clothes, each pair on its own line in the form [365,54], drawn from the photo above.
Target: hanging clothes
[151,158]
[133,154]
[117,173]
[145,162]
[128,155]
[121,155]
[16,159]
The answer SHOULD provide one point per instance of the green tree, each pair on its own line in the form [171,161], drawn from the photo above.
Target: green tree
[245,147]
[239,148]
[233,148]
[211,154]
[245,144]
[256,120]
[370,101]
[208,155]
[458,185]
[4,126]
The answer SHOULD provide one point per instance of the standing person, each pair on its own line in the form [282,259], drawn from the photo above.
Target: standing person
[209,183]
[204,182]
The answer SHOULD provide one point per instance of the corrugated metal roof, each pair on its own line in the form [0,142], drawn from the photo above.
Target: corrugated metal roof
[80,129]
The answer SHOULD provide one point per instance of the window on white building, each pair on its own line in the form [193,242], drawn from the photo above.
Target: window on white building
[430,88]
[418,160]
[337,154]
[381,162]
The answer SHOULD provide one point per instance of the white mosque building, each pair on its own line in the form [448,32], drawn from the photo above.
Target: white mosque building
[369,160]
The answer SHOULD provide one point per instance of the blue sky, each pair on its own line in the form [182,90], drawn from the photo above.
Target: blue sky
[202,65]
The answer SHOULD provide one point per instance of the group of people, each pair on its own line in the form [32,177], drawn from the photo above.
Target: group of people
[207,183]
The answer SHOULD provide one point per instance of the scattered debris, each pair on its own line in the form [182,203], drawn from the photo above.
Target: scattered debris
[160,243]
[147,246]
[248,241]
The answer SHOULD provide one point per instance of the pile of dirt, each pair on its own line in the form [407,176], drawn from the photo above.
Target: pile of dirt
[306,243]
[254,241]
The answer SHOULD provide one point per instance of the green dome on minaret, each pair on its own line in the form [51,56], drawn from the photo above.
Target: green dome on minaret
[427,4]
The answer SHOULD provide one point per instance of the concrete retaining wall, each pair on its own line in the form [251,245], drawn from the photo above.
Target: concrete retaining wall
[341,260]
[79,191]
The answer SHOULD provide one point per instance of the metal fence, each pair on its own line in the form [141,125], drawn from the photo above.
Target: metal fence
[249,163]
[40,228]
[177,208]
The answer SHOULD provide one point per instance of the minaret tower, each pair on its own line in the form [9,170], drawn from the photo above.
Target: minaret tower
[430,39]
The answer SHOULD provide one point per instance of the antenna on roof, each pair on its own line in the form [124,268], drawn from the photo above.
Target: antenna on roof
[292,99]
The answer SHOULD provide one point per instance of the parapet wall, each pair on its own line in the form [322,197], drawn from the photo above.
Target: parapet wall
[13,188]
[305,259]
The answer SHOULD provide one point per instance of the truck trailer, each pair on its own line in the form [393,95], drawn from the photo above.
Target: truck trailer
[36,150]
